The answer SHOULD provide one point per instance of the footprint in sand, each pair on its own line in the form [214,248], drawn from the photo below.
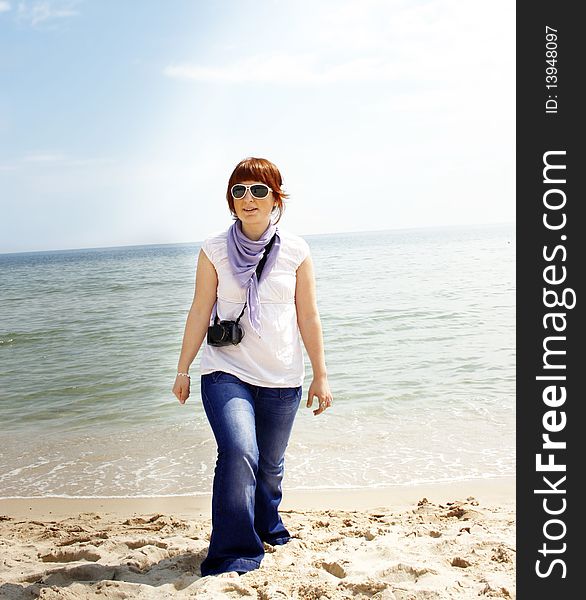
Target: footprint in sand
[140,543]
[70,555]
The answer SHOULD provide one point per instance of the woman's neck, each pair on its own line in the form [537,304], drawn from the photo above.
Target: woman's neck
[254,232]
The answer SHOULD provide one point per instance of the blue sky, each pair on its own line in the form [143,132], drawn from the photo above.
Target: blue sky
[120,122]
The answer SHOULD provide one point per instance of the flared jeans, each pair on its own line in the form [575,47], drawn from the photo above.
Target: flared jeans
[252,425]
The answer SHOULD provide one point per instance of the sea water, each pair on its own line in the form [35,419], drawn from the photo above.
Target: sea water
[419,333]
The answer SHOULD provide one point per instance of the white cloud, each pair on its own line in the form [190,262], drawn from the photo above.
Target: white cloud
[43,158]
[286,69]
[445,42]
[41,11]
[4,6]
[292,69]
[56,160]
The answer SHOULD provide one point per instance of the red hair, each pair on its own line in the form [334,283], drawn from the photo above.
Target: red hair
[264,171]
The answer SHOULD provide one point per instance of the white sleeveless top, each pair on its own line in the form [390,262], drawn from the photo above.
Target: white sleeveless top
[275,359]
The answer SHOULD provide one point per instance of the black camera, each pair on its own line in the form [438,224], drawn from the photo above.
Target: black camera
[225,333]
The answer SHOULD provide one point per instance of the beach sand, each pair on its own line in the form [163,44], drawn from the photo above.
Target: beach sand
[427,542]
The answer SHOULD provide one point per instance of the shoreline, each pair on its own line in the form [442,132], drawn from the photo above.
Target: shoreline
[497,490]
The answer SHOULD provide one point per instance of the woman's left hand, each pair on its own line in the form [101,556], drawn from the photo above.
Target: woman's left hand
[321,388]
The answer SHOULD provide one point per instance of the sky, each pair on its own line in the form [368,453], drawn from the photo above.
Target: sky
[121,122]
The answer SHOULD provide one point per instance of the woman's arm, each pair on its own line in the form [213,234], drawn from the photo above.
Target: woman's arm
[198,320]
[308,317]
[311,334]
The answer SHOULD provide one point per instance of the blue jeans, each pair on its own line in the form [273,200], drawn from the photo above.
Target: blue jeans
[252,425]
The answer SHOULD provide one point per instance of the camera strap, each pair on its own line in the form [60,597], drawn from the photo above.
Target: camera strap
[259,268]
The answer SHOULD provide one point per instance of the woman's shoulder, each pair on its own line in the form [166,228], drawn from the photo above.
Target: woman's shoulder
[291,237]
[295,244]
[215,242]
[217,236]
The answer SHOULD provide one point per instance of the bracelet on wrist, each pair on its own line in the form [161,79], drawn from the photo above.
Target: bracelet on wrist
[185,375]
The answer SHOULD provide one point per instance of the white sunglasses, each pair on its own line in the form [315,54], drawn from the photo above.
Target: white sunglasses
[257,190]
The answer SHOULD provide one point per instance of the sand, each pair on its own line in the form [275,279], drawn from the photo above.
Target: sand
[404,543]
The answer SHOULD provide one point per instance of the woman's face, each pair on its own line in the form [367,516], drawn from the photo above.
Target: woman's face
[254,210]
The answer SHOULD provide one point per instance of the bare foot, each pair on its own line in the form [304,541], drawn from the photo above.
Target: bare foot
[228,574]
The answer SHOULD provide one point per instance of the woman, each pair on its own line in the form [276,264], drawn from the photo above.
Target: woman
[251,382]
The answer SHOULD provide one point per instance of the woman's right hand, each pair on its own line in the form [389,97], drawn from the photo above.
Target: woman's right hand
[181,388]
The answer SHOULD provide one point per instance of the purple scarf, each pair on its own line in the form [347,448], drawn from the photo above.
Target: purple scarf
[244,255]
